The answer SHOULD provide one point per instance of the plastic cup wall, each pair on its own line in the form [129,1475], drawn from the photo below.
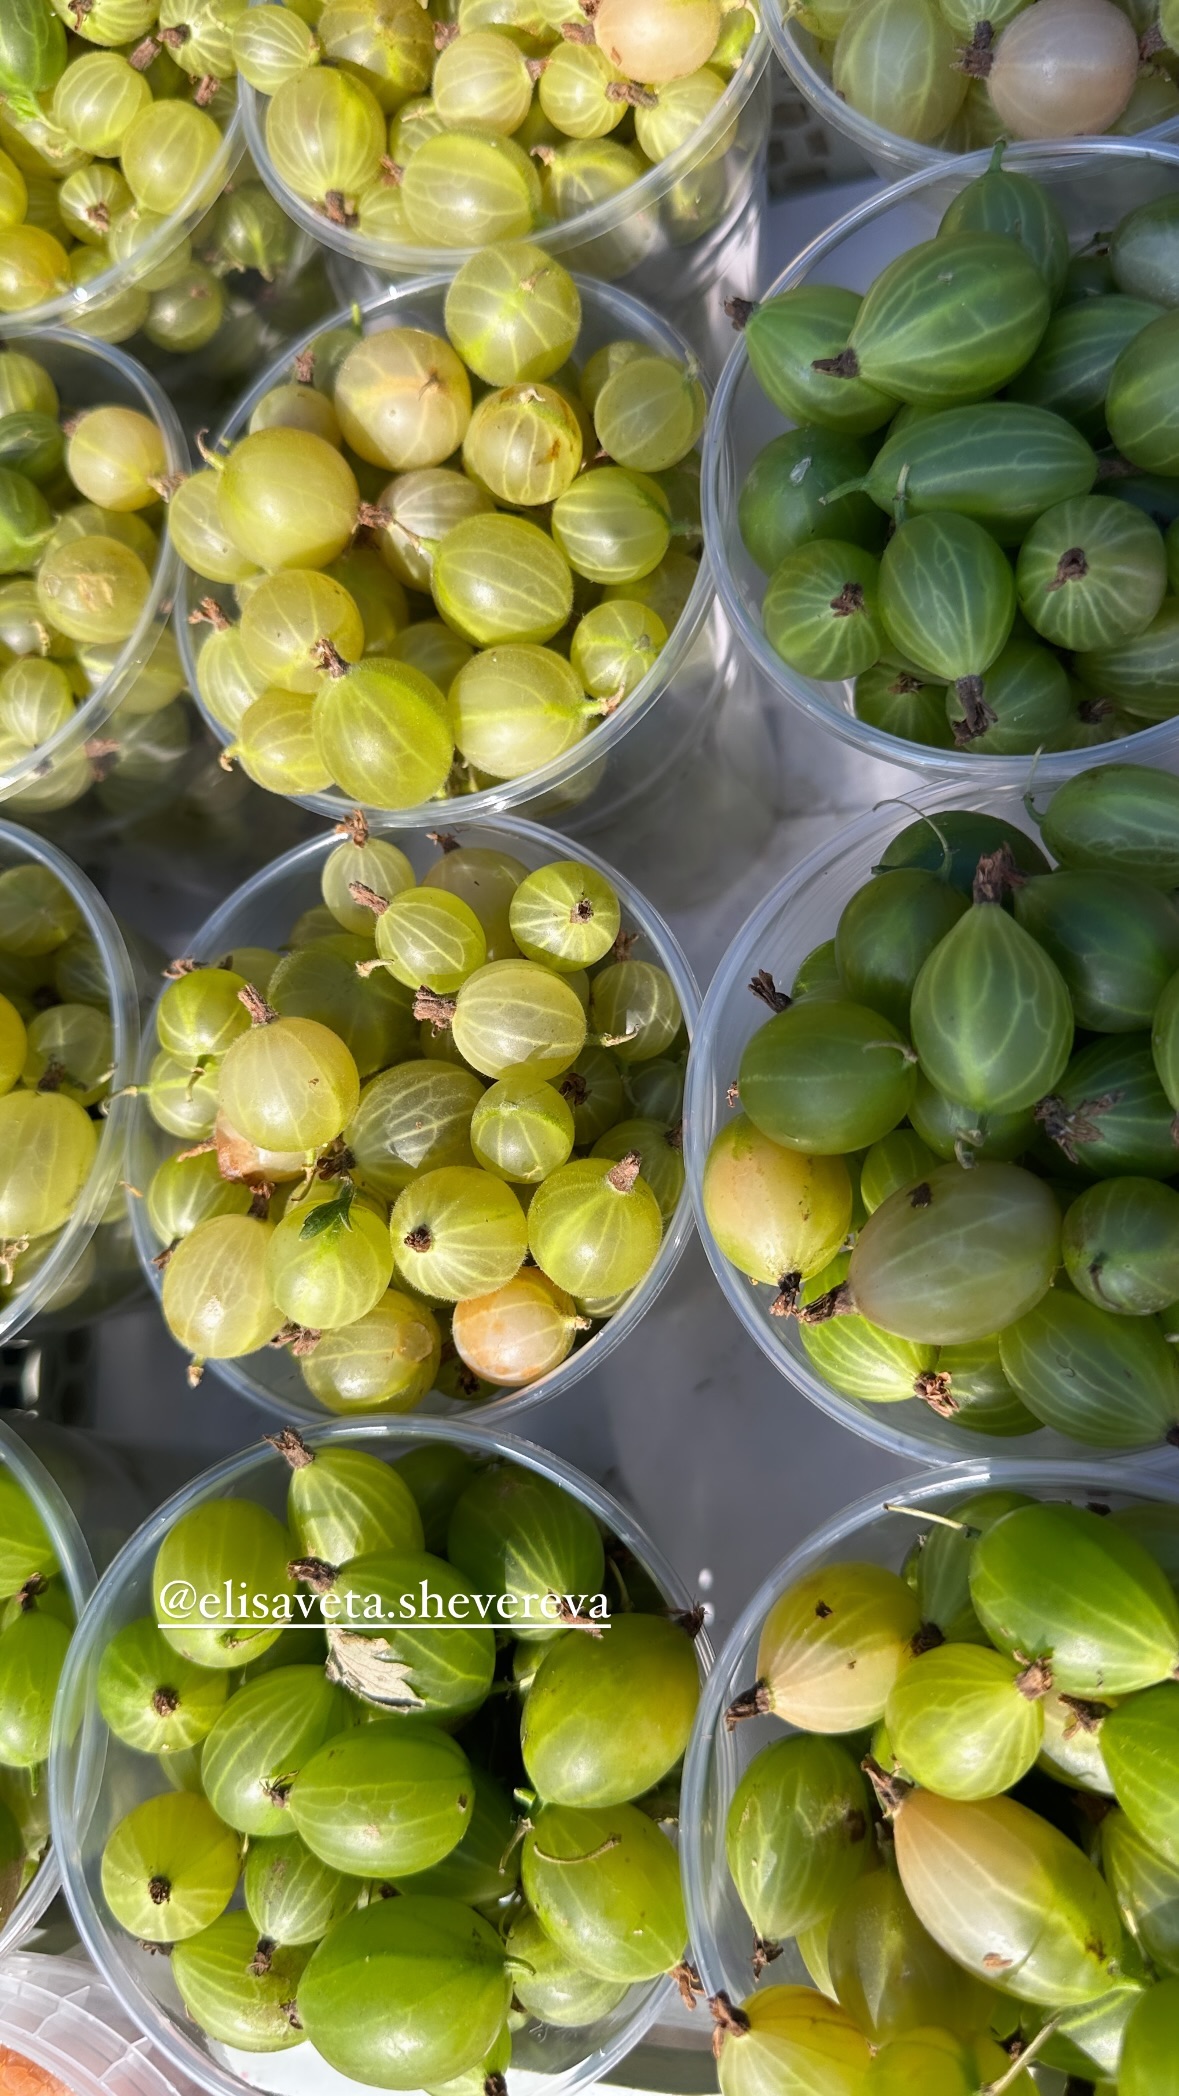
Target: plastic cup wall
[19,848]
[891,155]
[720,1931]
[95,374]
[262,914]
[77,1569]
[626,755]
[1094,185]
[796,916]
[95,1780]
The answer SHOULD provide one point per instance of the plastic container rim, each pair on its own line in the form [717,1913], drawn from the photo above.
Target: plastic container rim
[77,1569]
[151,400]
[701,1124]
[22,846]
[100,1941]
[82,299]
[214,938]
[564,234]
[920,1489]
[873,139]
[719,490]
[506,794]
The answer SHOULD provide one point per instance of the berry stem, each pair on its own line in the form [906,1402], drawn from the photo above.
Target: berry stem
[623,1175]
[261,1013]
[752,1703]
[291,1447]
[354,827]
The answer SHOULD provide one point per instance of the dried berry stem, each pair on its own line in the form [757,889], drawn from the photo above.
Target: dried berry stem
[261,1013]
[623,1175]
[291,1447]
[752,1703]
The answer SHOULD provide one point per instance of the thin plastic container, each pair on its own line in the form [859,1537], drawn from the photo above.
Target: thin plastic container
[103,304]
[690,223]
[797,915]
[58,2019]
[77,1569]
[721,1932]
[262,914]
[808,64]
[1094,185]
[94,1780]
[65,1276]
[625,755]
[94,374]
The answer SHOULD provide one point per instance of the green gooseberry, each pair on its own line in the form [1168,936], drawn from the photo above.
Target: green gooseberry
[951,841]
[1117,818]
[150,1696]
[32,1654]
[1150,2050]
[1059,1582]
[887,931]
[549,1985]
[1114,939]
[239,1988]
[991,1018]
[859,1358]
[412,1990]
[820,609]
[265,1734]
[790,496]
[442,1673]
[973,1391]
[1121,1246]
[826,1077]
[1109,1114]
[786,2037]
[1001,201]
[903,704]
[949,319]
[947,598]
[1146,1886]
[384,1799]
[291,1896]
[1025,705]
[343,1503]
[1140,1743]
[792,339]
[437,1474]
[607,1718]
[957,1256]
[887,1970]
[605,1885]
[965,1721]
[943,1565]
[1091,571]
[1074,361]
[798,1833]
[484,1865]
[514,1533]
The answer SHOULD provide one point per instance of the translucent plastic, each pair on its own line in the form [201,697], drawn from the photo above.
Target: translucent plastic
[17,848]
[1094,185]
[626,754]
[56,2013]
[77,1567]
[262,914]
[720,1930]
[796,916]
[94,1779]
[886,151]
[88,374]
[644,238]
[73,306]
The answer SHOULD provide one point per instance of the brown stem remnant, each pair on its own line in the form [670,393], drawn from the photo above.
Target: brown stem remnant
[577,33]
[764,1953]
[785,1303]
[337,210]
[837,1302]
[291,1447]
[209,613]
[849,601]
[354,827]
[891,1791]
[752,1703]
[728,2022]
[302,1339]
[176,970]
[159,1891]
[632,94]
[440,1011]
[933,1387]
[163,1259]
[368,897]
[978,55]
[573,1088]
[740,311]
[144,54]
[845,365]
[1035,1680]
[206,89]
[261,1013]
[263,1957]
[977,716]
[1086,1716]
[419,1239]
[995,874]
[763,985]
[622,1176]
[1071,567]
[1067,1126]
[314,1572]
[926,1638]
[688,1981]
[445,840]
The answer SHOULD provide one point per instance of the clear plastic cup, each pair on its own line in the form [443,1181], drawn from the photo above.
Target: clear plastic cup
[625,755]
[886,151]
[95,374]
[77,1569]
[261,914]
[94,1780]
[1094,184]
[720,1931]
[797,915]
[56,2015]
[672,237]
[61,1282]
[102,303]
